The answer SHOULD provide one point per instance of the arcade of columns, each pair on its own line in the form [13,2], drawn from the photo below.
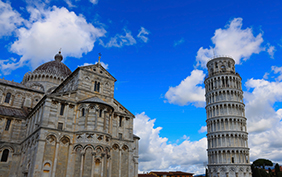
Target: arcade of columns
[228,152]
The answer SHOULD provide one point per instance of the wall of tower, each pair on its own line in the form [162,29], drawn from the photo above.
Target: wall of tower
[228,152]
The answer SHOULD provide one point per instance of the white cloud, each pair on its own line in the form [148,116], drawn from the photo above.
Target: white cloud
[94,1]
[233,41]
[142,34]
[271,50]
[106,66]
[120,40]
[50,31]
[176,43]
[277,70]
[188,91]
[155,153]
[259,102]
[9,19]
[264,122]
[69,3]
[203,129]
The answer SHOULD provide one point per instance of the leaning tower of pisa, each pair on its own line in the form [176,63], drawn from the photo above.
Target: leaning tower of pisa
[228,152]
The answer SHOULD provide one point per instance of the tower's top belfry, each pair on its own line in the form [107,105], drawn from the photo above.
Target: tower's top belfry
[220,65]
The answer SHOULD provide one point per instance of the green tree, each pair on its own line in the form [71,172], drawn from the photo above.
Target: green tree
[270,172]
[277,169]
[263,173]
[262,163]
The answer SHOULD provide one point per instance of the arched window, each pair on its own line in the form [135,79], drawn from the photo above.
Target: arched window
[62,109]
[97,86]
[82,112]
[8,123]
[5,155]
[8,97]
[120,121]
[100,113]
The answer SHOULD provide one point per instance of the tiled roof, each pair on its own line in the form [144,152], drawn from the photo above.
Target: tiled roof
[13,112]
[146,175]
[95,100]
[170,173]
[180,173]
[160,172]
[54,67]
[16,84]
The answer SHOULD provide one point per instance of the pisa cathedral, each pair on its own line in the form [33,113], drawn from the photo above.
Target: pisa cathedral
[228,152]
[58,123]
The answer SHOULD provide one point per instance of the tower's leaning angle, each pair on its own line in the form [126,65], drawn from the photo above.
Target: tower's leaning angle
[228,152]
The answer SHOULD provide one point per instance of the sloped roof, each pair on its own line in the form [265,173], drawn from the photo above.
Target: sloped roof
[101,67]
[18,85]
[135,136]
[170,173]
[13,112]
[95,100]
[146,175]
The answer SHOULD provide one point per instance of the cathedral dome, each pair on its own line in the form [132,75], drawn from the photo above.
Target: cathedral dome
[54,67]
[48,75]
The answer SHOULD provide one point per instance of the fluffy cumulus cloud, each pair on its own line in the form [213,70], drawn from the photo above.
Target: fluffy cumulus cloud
[142,34]
[264,122]
[120,40]
[10,19]
[48,31]
[188,91]
[233,41]
[155,153]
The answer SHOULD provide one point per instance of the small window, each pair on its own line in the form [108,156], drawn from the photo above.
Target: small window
[120,136]
[97,86]
[8,97]
[8,123]
[62,109]
[60,126]
[120,121]
[232,160]
[5,155]
[82,112]
[100,113]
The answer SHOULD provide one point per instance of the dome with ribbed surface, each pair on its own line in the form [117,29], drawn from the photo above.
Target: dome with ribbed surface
[54,67]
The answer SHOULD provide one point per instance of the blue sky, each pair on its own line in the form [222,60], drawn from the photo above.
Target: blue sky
[157,51]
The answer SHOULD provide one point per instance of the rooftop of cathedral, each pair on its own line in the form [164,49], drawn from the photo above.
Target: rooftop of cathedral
[55,67]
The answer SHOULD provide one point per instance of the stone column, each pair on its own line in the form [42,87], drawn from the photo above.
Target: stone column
[119,163]
[82,163]
[102,164]
[70,165]
[93,163]
[55,159]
